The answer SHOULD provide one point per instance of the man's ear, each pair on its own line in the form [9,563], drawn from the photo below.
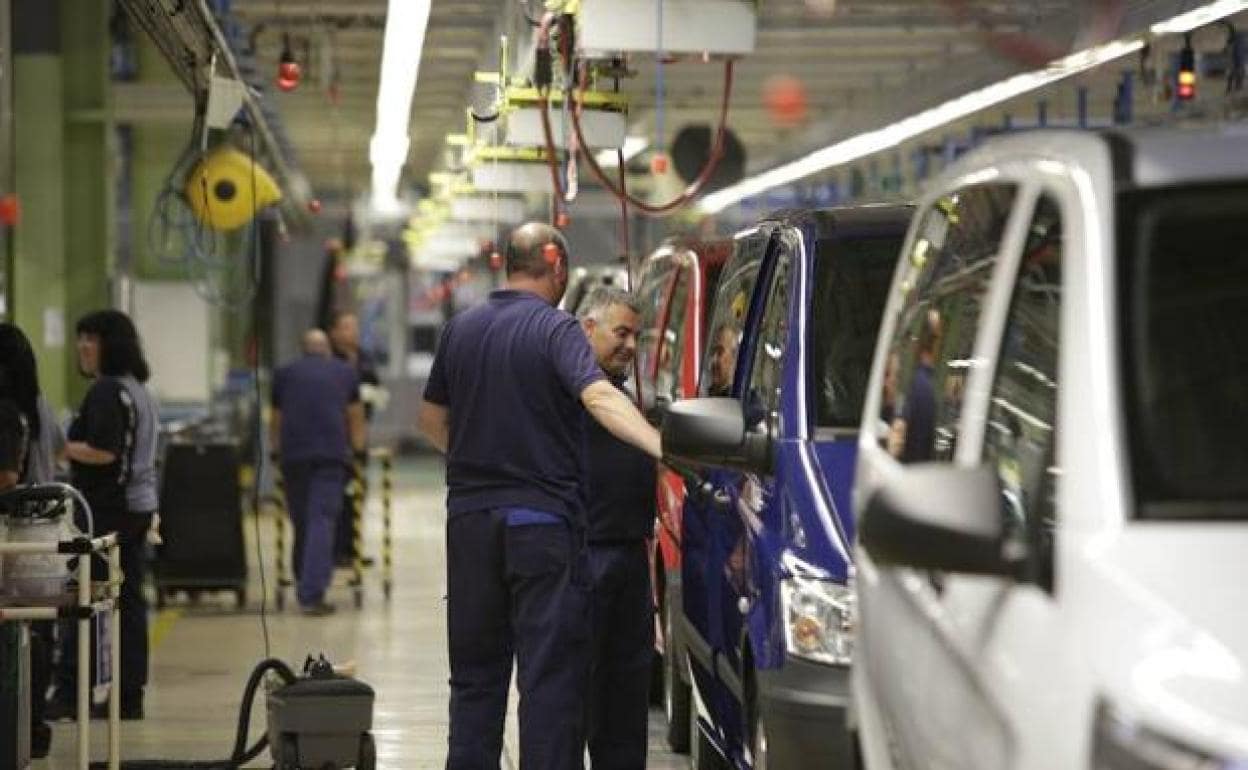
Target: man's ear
[588,324]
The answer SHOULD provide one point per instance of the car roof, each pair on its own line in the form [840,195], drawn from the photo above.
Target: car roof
[1141,157]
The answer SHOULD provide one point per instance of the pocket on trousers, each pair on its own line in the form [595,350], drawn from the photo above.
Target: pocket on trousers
[538,549]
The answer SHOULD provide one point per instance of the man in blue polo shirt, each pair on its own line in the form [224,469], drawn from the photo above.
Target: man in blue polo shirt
[505,401]
[317,420]
[621,508]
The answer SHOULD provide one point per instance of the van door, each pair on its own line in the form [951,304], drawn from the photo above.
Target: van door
[1005,636]
[941,297]
[750,495]
[710,495]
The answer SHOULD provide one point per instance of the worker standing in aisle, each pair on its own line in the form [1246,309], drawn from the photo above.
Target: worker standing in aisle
[317,421]
[112,454]
[620,512]
[504,402]
[344,337]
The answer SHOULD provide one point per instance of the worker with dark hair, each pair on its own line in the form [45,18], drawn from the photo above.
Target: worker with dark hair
[344,338]
[317,420]
[505,402]
[42,442]
[621,509]
[112,453]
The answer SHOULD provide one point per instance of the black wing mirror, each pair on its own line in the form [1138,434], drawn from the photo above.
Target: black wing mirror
[940,517]
[712,431]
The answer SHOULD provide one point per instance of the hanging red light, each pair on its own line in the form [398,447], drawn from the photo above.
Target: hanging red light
[288,70]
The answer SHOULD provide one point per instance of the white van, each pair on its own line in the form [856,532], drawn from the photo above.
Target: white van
[1052,488]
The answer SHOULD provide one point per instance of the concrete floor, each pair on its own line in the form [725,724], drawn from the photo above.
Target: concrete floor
[202,654]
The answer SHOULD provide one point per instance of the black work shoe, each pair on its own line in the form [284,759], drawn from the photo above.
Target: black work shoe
[318,610]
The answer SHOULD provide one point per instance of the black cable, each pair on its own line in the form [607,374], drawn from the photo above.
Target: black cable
[241,754]
[257,422]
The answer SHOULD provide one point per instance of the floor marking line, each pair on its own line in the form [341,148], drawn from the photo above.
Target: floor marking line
[162,625]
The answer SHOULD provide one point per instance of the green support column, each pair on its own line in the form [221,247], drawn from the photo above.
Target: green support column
[88,172]
[39,269]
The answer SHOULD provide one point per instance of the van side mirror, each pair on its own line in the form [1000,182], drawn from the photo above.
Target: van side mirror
[940,517]
[712,431]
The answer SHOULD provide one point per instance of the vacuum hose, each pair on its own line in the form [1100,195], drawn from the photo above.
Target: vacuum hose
[241,754]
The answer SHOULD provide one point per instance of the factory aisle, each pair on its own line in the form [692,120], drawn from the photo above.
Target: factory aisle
[202,654]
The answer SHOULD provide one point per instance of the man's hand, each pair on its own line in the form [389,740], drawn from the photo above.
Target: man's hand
[434,422]
[616,413]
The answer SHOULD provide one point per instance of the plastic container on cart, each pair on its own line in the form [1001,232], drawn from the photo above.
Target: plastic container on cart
[37,576]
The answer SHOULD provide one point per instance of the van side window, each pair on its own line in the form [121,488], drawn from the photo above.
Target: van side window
[948,270]
[672,347]
[1020,440]
[732,303]
[651,292]
[852,276]
[766,373]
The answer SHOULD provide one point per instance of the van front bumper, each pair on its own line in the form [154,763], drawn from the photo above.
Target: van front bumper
[804,707]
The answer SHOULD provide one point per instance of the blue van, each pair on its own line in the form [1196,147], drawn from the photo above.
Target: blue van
[768,450]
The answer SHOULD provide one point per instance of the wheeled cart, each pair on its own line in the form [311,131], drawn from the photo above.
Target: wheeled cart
[201,523]
[89,600]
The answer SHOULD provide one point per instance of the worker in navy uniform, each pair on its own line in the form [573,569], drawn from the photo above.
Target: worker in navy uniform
[344,337]
[621,509]
[506,402]
[317,420]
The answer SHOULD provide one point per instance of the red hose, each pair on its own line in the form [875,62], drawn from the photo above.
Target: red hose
[552,156]
[692,191]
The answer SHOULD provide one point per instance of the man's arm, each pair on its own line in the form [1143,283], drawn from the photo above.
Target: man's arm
[617,414]
[435,423]
[357,427]
[82,452]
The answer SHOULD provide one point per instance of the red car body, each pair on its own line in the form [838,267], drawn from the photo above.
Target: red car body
[674,288]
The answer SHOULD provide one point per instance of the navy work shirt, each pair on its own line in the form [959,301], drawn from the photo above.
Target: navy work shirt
[621,493]
[107,420]
[511,371]
[919,413]
[313,394]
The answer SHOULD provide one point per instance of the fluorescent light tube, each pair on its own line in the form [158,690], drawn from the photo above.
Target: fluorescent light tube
[406,21]
[874,141]
[633,146]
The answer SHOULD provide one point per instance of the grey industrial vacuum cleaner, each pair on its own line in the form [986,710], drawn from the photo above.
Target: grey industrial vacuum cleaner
[321,721]
[318,720]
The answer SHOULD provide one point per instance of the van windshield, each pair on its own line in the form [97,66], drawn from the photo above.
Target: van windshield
[852,276]
[1184,279]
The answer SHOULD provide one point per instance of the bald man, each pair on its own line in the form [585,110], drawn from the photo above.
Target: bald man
[318,420]
[506,400]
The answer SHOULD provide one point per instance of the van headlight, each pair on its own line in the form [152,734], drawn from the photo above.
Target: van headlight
[819,619]
[1120,744]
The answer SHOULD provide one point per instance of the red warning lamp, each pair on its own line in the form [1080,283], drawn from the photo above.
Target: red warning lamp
[10,210]
[659,163]
[1187,72]
[288,70]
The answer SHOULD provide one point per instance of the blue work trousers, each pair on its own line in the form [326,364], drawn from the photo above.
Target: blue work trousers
[623,651]
[517,591]
[314,500]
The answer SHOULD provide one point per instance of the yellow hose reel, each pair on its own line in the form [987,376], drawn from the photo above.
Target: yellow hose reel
[228,188]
